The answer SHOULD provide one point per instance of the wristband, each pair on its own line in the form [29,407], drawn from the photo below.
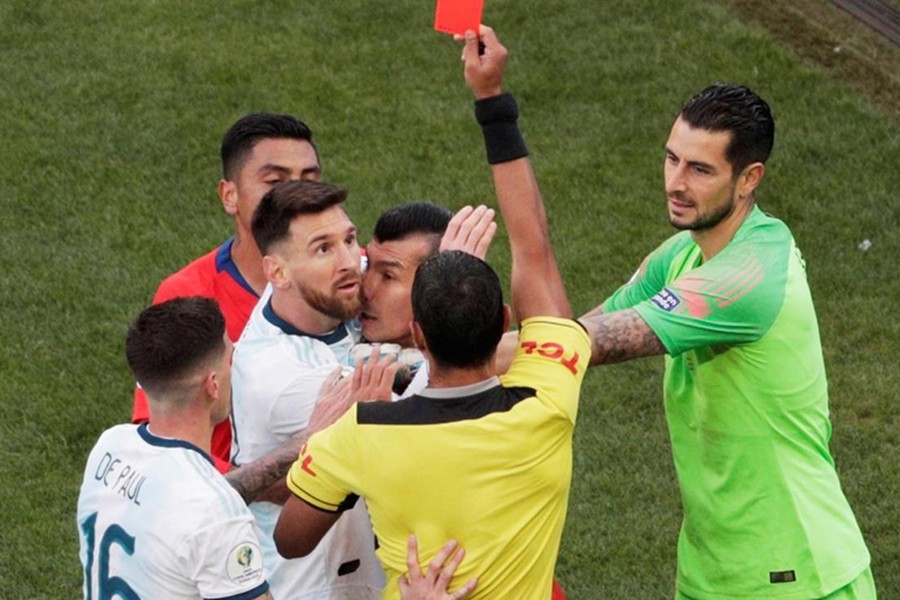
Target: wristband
[497,116]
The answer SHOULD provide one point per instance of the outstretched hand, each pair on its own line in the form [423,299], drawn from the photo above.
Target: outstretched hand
[433,584]
[470,230]
[333,401]
[373,379]
[484,71]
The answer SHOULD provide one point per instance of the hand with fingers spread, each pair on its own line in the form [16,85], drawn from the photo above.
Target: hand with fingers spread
[484,71]
[334,400]
[373,379]
[470,230]
[433,584]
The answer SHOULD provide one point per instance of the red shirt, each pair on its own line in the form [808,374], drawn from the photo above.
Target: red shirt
[215,276]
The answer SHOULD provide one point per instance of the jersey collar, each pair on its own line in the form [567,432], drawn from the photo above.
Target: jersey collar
[225,263]
[460,391]
[164,442]
[329,338]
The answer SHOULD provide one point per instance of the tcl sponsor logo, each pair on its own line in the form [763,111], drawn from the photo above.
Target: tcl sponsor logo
[307,459]
[553,351]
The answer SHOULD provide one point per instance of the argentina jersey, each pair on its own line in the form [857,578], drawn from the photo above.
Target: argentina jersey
[156,520]
[277,373]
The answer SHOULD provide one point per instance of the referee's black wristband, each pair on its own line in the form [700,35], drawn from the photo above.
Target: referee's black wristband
[497,116]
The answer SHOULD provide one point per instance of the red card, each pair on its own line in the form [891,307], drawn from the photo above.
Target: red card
[456,16]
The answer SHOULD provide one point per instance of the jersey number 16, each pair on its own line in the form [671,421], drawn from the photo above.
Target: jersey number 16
[107,587]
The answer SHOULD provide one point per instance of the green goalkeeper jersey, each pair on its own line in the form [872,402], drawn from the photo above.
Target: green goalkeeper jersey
[747,406]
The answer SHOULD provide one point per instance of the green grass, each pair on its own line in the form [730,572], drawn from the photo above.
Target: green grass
[112,114]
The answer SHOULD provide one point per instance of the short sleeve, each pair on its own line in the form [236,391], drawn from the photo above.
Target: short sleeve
[321,474]
[649,278]
[551,357]
[225,560]
[732,299]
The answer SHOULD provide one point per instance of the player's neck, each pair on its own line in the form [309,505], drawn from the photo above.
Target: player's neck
[444,377]
[189,426]
[248,260]
[290,307]
[712,241]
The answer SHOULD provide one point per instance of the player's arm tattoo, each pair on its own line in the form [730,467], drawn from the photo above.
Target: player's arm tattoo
[594,312]
[253,478]
[619,336]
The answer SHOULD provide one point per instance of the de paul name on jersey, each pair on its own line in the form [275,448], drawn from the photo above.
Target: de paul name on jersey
[120,477]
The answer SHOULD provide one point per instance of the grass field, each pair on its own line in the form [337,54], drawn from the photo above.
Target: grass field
[112,114]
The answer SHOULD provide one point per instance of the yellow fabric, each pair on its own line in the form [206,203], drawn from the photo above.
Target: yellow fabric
[498,483]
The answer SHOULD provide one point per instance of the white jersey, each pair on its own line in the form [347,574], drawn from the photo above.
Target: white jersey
[156,520]
[276,376]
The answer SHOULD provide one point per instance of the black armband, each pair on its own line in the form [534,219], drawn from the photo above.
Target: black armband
[497,116]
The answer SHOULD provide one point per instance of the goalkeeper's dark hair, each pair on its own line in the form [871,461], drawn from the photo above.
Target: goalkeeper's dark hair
[739,111]
[413,218]
[170,341]
[458,303]
[249,130]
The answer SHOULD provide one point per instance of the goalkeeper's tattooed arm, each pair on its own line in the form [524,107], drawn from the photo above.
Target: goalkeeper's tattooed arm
[594,312]
[620,335]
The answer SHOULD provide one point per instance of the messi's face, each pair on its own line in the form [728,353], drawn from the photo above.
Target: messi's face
[321,262]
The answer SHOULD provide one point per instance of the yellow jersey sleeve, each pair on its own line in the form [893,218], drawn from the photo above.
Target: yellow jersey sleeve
[552,357]
[329,490]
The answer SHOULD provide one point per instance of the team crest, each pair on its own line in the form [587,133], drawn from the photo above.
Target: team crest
[666,300]
[245,564]
[245,556]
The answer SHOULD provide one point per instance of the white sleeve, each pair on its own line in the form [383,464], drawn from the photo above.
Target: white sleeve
[225,560]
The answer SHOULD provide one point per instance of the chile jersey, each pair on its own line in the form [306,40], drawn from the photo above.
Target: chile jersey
[215,276]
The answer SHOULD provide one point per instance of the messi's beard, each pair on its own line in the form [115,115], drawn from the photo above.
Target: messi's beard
[332,306]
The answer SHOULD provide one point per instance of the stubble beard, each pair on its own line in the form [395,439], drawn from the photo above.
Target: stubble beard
[708,221]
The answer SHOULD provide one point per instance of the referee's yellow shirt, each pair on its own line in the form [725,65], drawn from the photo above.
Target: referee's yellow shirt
[487,464]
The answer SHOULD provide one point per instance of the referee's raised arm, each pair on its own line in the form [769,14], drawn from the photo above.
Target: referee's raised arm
[537,287]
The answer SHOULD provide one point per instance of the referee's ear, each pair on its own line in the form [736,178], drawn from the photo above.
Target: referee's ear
[418,337]
[507,316]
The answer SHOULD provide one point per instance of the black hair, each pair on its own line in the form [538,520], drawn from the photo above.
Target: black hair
[413,218]
[740,111]
[272,218]
[247,131]
[458,303]
[170,340]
